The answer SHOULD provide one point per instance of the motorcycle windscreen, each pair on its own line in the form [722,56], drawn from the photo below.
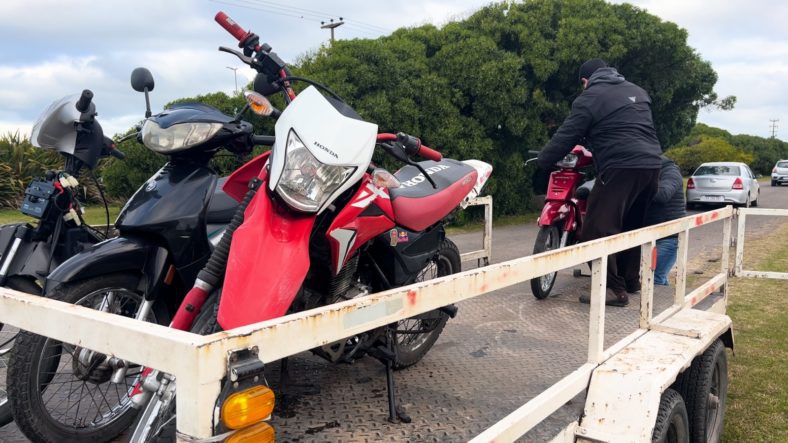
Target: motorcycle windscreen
[268,261]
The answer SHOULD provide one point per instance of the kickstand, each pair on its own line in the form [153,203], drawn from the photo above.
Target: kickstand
[396,412]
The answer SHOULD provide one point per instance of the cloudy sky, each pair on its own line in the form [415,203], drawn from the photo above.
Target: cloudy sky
[51,48]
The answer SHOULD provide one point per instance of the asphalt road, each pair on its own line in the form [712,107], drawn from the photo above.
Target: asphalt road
[500,351]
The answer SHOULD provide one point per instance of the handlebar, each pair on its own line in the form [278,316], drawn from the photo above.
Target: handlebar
[534,152]
[430,154]
[84,101]
[265,140]
[117,153]
[412,145]
[233,28]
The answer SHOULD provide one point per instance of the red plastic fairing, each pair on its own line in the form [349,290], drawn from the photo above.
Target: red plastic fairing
[349,230]
[562,184]
[558,211]
[269,259]
[238,182]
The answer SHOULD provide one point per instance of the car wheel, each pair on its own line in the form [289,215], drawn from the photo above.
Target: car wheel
[774,183]
[755,202]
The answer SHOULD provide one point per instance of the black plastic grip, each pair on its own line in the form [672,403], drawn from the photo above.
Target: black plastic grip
[264,140]
[117,153]
[84,100]
[409,142]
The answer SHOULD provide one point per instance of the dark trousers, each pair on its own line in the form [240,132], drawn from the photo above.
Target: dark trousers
[618,203]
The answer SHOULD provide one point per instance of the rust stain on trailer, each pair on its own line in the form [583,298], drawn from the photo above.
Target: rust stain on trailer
[412,296]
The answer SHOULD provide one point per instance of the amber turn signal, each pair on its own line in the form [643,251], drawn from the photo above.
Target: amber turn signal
[258,103]
[259,433]
[247,407]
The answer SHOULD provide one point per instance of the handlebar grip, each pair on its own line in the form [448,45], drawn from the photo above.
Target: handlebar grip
[265,140]
[117,153]
[534,152]
[230,26]
[430,154]
[84,100]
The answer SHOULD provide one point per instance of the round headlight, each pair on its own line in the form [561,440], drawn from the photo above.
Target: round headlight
[176,137]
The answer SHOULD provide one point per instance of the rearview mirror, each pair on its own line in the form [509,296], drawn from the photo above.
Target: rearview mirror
[141,79]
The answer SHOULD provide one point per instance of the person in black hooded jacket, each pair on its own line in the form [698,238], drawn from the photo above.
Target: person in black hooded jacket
[612,118]
[668,204]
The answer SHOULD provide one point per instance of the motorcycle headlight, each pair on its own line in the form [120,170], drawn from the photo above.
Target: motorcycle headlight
[570,161]
[306,183]
[176,137]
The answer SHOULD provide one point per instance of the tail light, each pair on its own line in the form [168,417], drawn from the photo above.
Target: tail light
[737,184]
[690,184]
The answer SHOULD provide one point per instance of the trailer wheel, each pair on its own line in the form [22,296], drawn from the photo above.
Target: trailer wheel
[704,387]
[672,422]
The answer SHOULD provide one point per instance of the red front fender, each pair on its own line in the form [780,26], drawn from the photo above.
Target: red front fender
[560,212]
[269,259]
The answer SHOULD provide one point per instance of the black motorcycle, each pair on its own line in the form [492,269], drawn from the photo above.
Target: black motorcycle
[166,233]
[29,252]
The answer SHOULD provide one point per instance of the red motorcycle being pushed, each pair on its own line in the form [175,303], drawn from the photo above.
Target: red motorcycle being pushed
[563,212]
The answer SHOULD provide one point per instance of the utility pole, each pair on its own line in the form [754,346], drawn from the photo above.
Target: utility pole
[332,25]
[774,126]
[235,75]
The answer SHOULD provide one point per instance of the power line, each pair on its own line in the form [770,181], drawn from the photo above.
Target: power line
[303,14]
[323,14]
[332,25]
[773,124]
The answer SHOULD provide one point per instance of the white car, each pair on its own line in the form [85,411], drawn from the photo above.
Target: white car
[780,173]
[723,183]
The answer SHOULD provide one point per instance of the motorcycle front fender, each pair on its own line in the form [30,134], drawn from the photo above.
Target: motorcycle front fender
[114,255]
[558,212]
[31,258]
[268,262]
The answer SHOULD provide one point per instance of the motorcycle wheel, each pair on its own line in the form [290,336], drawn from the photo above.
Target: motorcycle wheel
[411,345]
[156,423]
[63,393]
[7,336]
[549,238]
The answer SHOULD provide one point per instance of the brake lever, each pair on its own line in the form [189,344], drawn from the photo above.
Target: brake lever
[248,60]
[423,171]
[396,151]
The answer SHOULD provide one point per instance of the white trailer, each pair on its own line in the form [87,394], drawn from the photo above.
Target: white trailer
[636,389]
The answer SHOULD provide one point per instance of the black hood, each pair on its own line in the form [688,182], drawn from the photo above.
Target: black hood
[605,75]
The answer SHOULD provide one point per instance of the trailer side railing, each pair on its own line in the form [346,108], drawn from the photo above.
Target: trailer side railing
[483,255]
[200,362]
[739,268]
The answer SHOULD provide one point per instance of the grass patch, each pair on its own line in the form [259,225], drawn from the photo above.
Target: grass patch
[506,220]
[758,390]
[94,215]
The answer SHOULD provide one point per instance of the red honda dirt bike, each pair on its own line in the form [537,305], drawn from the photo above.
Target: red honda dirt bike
[319,223]
[563,212]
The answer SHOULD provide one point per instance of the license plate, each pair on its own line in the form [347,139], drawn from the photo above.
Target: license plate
[712,198]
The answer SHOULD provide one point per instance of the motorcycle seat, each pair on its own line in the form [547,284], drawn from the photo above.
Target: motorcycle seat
[417,205]
[221,207]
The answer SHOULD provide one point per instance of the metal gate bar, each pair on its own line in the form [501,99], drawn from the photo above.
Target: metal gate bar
[740,272]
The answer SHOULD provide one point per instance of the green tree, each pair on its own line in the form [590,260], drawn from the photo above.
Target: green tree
[707,149]
[500,83]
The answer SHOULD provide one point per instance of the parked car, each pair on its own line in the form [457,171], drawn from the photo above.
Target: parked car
[723,183]
[780,173]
